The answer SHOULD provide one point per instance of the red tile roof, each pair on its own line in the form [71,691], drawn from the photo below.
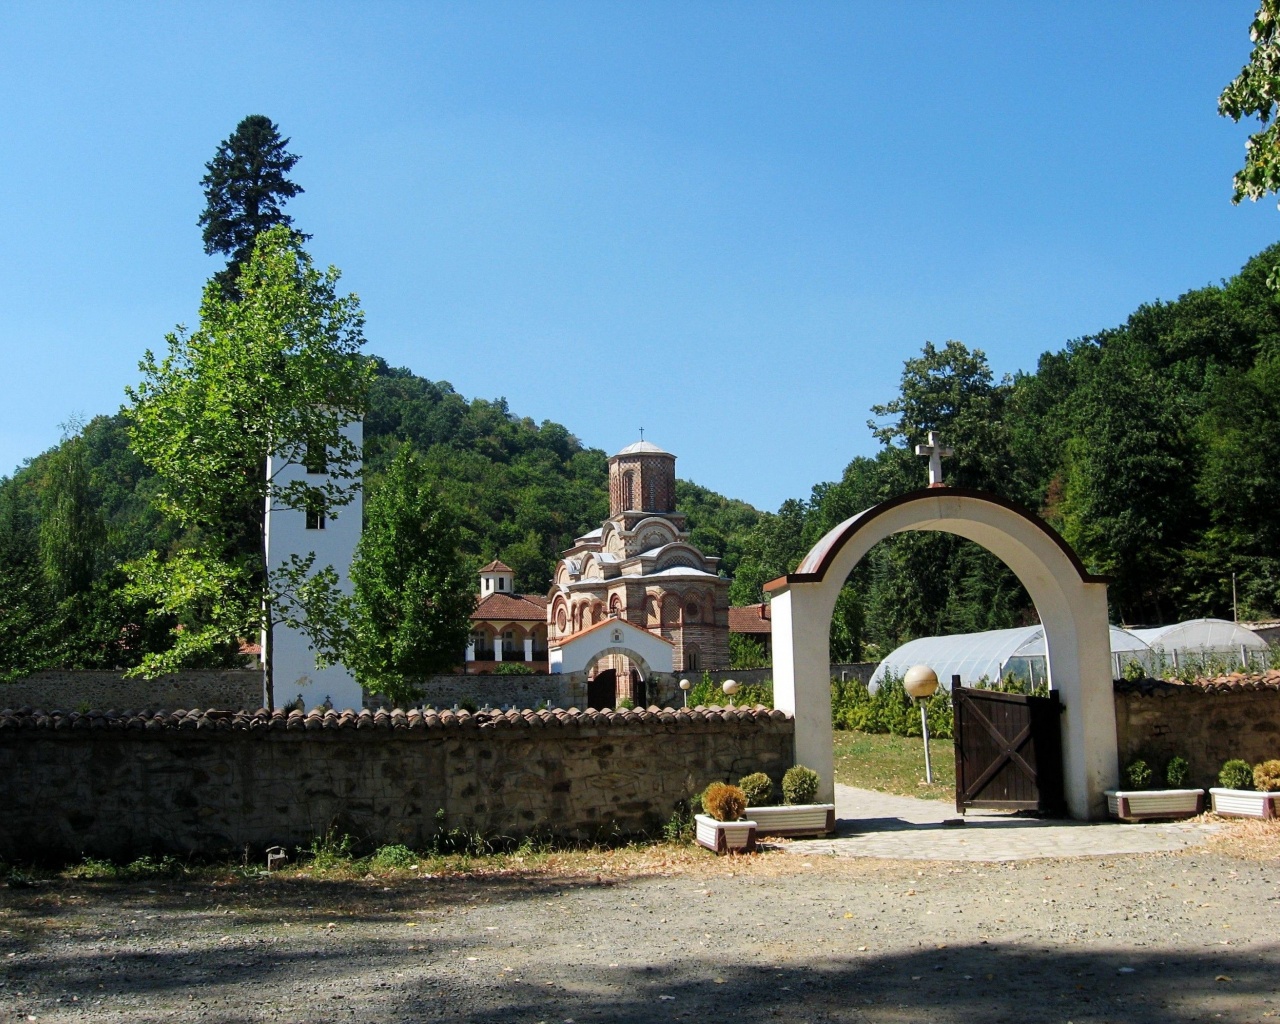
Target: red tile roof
[511,608]
[496,566]
[754,618]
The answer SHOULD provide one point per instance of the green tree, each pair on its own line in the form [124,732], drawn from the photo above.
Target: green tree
[71,527]
[245,187]
[410,613]
[262,384]
[1255,92]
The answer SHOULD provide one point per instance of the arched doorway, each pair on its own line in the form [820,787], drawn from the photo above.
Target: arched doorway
[1071,603]
[602,690]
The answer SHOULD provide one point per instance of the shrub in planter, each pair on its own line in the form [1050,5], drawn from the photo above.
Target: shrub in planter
[799,785]
[724,802]
[757,787]
[1266,777]
[1138,774]
[1177,773]
[1236,774]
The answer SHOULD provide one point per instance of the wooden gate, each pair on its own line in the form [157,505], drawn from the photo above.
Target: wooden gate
[1008,751]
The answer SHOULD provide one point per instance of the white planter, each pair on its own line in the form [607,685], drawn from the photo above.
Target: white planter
[794,819]
[724,836]
[1143,804]
[1245,803]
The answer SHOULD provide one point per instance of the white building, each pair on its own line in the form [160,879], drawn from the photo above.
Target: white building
[333,538]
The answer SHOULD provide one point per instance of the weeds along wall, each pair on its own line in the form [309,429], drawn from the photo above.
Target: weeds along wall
[1207,723]
[212,783]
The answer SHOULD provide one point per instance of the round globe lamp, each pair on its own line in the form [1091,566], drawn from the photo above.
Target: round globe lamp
[730,687]
[921,683]
[685,687]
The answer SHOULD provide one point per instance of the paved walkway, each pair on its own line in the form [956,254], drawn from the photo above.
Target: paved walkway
[871,824]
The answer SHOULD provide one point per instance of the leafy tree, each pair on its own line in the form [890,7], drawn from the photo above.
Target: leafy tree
[261,383]
[410,613]
[1255,92]
[71,527]
[245,187]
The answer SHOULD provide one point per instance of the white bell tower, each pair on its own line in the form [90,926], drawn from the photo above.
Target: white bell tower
[333,538]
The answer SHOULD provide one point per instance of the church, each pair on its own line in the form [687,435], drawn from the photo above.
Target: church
[635,597]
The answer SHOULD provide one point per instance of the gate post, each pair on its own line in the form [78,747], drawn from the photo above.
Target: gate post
[802,677]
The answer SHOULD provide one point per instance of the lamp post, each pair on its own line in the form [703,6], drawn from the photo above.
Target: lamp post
[921,683]
[730,688]
[685,686]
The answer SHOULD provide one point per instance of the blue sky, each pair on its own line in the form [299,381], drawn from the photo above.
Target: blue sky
[726,223]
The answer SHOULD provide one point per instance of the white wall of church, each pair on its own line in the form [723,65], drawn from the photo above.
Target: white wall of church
[287,534]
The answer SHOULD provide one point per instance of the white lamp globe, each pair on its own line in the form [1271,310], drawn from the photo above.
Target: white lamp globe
[730,687]
[686,685]
[920,682]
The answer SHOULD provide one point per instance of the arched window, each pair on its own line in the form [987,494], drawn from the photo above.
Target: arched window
[691,658]
[628,491]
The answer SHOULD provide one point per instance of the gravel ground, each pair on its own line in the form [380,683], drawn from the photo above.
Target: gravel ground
[1192,936]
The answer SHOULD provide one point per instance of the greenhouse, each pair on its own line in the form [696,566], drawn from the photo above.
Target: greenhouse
[993,655]
[1213,644]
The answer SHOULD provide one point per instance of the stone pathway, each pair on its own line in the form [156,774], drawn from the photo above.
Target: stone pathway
[871,824]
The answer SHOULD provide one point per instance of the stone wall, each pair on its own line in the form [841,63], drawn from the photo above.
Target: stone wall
[209,783]
[1208,723]
[233,690]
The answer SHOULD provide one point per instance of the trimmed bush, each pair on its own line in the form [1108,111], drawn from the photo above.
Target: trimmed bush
[1236,774]
[724,802]
[1266,777]
[757,788]
[1138,774]
[799,785]
[1177,773]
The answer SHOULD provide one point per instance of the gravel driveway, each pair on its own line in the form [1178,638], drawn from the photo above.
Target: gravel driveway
[1186,936]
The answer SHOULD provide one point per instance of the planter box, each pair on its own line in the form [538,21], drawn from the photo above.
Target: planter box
[724,836]
[1245,803]
[794,820]
[1144,804]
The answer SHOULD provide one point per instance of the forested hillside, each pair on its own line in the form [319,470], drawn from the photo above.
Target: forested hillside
[1150,446]
[520,490]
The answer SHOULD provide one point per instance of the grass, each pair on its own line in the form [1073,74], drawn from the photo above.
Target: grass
[895,764]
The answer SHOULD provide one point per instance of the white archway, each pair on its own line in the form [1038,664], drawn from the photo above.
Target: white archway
[1072,605]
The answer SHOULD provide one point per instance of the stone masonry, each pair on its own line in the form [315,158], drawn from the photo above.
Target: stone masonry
[1207,723]
[115,785]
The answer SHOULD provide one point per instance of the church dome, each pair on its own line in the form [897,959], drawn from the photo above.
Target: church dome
[642,448]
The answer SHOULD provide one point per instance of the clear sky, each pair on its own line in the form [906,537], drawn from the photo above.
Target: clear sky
[728,223]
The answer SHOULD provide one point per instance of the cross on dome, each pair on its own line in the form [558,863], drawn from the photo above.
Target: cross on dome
[936,452]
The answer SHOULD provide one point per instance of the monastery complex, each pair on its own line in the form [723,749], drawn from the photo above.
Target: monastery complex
[628,599]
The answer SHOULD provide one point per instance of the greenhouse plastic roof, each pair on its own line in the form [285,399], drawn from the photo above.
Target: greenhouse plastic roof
[1201,636]
[977,656]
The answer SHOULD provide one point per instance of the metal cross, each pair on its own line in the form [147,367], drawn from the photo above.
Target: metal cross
[936,453]
[642,433]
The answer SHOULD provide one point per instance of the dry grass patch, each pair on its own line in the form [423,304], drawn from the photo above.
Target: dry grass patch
[1247,838]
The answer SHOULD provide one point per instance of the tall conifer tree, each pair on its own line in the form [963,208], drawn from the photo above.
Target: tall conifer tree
[245,190]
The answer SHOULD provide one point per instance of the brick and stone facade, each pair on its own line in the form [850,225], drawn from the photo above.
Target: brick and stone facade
[640,567]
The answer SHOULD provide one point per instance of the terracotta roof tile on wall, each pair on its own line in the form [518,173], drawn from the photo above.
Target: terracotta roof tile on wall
[754,618]
[262,721]
[511,608]
[1268,680]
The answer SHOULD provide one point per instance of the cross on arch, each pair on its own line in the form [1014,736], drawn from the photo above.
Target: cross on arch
[936,453]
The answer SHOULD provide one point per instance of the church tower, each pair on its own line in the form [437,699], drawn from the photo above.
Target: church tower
[642,478]
[332,538]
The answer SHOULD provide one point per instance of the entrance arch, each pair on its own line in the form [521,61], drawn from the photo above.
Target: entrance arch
[1071,602]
